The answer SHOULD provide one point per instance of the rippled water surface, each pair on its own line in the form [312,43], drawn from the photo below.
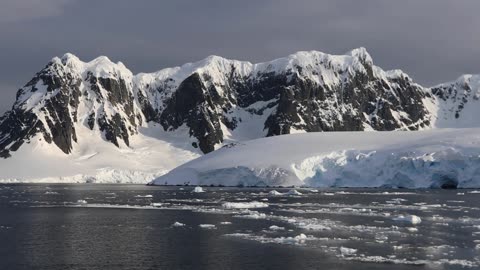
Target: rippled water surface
[140,227]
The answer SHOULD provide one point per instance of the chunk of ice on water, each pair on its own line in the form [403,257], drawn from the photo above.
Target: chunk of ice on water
[82,202]
[347,251]
[198,190]
[144,196]
[274,193]
[294,192]
[276,228]
[178,224]
[301,237]
[412,219]
[207,226]
[244,205]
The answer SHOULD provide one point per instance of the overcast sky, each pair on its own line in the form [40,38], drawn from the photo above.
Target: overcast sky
[432,40]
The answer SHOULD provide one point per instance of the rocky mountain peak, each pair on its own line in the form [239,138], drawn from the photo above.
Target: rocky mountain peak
[69,58]
[361,54]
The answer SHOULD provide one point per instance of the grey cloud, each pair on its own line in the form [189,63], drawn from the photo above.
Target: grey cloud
[432,40]
[28,10]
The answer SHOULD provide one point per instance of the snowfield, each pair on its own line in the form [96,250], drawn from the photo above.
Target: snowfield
[438,158]
[97,161]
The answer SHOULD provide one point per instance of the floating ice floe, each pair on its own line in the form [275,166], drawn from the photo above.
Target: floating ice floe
[178,224]
[144,196]
[299,239]
[347,251]
[252,215]
[393,260]
[276,228]
[396,201]
[155,204]
[207,226]
[294,192]
[296,240]
[412,219]
[380,259]
[244,205]
[275,193]
[412,229]
[198,190]
[461,263]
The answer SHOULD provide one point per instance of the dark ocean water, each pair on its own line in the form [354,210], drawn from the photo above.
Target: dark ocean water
[130,227]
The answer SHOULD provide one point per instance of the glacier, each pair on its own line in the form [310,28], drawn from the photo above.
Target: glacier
[437,158]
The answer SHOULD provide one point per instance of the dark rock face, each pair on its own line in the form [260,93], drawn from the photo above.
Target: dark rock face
[311,96]
[192,104]
[113,129]
[18,127]
[21,125]
[151,115]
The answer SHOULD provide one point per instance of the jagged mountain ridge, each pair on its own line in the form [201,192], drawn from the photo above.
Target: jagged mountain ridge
[218,100]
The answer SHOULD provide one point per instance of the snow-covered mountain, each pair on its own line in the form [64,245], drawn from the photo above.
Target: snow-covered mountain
[73,108]
[457,103]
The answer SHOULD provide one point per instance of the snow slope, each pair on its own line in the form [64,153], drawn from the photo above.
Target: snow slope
[97,161]
[420,159]
[456,104]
